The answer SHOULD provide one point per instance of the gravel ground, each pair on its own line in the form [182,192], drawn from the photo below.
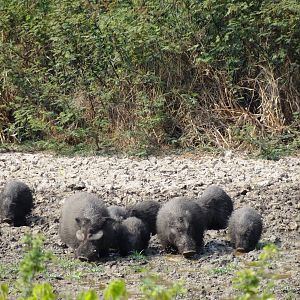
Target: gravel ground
[272,187]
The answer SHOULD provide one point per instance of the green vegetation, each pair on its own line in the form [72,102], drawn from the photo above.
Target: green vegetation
[153,289]
[143,75]
[227,269]
[8,269]
[116,290]
[137,256]
[256,282]
[34,262]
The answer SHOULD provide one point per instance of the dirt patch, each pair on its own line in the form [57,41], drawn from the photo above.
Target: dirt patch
[271,187]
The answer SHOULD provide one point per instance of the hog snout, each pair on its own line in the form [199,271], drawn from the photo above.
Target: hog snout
[241,249]
[7,220]
[187,247]
[189,253]
[82,258]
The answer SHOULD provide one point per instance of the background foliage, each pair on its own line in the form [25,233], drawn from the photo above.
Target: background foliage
[141,75]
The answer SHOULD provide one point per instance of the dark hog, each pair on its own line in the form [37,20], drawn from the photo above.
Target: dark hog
[218,205]
[117,213]
[134,236]
[146,211]
[16,203]
[180,226]
[85,226]
[245,228]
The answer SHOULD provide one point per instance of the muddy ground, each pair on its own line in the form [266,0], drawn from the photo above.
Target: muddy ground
[272,187]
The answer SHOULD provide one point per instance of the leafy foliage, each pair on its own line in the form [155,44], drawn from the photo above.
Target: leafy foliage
[257,282]
[89,295]
[33,263]
[116,290]
[138,75]
[3,291]
[153,289]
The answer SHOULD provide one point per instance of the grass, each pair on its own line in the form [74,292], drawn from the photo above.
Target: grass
[228,269]
[8,270]
[73,269]
[137,256]
[256,281]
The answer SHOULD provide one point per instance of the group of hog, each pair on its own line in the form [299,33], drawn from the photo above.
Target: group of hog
[91,228]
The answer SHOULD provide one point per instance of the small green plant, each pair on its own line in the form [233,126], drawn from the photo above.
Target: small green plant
[8,269]
[34,262]
[138,256]
[74,275]
[89,295]
[3,291]
[256,283]
[42,291]
[116,290]
[153,289]
[229,268]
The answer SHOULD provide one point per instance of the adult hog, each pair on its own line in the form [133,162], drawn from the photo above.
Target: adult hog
[180,226]
[16,203]
[134,235]
[146,211]
[218,205]
[85,226]
[117,213]
[245,228]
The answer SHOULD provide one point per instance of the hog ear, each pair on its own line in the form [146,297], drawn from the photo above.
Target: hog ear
[96,236]
[79,235]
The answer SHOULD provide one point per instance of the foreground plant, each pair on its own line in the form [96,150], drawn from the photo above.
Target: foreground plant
[116,290]
[33,263]
[256,283]
[153,289]
[3,291]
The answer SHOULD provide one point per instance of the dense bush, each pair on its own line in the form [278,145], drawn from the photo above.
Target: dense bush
[143,74]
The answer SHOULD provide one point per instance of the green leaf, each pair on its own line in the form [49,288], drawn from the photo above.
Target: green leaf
[116,290]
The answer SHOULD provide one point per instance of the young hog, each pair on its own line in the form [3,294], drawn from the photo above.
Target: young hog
[85,226]
[180,226]
[133,236]
[218,205]
[15,203]
[117,213]
[146,211]
[245,227]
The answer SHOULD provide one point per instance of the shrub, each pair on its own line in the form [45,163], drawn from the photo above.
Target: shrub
[257,282]
[143,74]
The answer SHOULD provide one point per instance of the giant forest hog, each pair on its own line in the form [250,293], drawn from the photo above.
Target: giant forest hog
[180,226]
[134,236]
[16,203]
[245,228]
[117,213]
[146,211]
[218,205]
[85,226]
